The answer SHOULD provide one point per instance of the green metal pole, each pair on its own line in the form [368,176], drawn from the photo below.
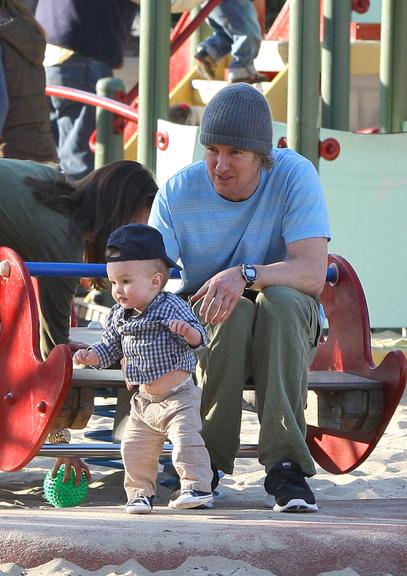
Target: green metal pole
[393,66]
[335,64]
[109,128]
[303,79]
[155,26]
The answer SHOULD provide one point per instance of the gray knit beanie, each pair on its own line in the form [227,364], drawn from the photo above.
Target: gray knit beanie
[239,116]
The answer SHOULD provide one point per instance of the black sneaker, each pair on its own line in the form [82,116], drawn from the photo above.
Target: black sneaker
[291,492]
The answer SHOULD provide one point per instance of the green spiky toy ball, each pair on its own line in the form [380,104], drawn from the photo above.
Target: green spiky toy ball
[62,495]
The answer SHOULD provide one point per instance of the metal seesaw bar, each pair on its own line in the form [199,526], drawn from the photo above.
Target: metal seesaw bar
[93,450]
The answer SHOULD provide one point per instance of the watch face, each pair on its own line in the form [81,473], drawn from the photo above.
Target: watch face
[250,273]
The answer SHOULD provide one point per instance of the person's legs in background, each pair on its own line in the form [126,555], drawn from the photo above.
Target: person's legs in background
[236,31]
[74,122]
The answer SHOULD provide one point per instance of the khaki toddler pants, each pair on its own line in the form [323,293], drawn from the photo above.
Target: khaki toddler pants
[153,418]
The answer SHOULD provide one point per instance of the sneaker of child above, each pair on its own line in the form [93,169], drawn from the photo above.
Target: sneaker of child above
[192,499]
[207,62]
[248,74]
[139,505]
[285,482]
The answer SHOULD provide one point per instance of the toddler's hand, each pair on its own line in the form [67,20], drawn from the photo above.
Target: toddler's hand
[191,334]
[180,327]
[87,357]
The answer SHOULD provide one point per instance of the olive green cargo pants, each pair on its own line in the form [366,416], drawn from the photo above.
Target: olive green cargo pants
[273,340]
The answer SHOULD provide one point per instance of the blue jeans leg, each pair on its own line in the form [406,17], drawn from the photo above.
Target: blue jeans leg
[73,122]
[236,30]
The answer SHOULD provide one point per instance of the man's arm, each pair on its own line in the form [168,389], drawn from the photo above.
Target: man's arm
[303,269]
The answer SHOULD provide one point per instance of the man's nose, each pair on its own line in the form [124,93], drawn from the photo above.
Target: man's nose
[222,164]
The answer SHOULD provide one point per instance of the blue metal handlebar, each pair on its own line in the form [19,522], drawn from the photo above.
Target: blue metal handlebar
[66,269]
[80,270]
[99,270]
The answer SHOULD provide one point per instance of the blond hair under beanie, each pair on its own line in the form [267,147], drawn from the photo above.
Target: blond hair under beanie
[238,116]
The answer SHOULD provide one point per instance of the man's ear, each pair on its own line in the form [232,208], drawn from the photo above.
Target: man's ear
[157,279]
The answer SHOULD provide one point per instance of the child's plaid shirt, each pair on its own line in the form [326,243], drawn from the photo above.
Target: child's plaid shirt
[145,340]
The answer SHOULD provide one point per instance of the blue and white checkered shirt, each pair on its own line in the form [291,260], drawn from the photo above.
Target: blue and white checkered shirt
[145,340]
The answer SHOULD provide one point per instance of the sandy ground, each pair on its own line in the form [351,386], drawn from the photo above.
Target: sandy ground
[196,566]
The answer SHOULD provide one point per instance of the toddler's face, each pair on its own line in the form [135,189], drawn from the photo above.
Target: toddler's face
[135,283]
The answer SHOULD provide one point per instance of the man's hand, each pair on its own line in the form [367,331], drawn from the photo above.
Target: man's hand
[76,464]
[220,295]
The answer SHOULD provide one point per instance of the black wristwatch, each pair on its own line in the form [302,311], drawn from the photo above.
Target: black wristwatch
[249,274]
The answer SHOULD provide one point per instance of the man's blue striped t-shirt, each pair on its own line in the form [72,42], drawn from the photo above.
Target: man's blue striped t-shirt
[206,233]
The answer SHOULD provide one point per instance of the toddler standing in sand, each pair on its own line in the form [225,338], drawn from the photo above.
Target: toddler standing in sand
[157,334]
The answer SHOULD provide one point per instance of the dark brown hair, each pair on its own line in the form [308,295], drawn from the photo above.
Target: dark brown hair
[119,193]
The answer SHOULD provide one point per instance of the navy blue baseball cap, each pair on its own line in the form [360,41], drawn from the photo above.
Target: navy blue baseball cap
[137,242]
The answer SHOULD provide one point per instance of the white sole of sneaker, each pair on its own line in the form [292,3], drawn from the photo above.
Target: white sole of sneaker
[137,510]
[183,505]
[294,505]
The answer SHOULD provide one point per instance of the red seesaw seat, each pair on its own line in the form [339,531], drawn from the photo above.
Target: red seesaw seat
[361,411]
[32,392]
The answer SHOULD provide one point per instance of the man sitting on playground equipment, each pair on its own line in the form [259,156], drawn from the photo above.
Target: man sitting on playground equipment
[157,334]
[250,226]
